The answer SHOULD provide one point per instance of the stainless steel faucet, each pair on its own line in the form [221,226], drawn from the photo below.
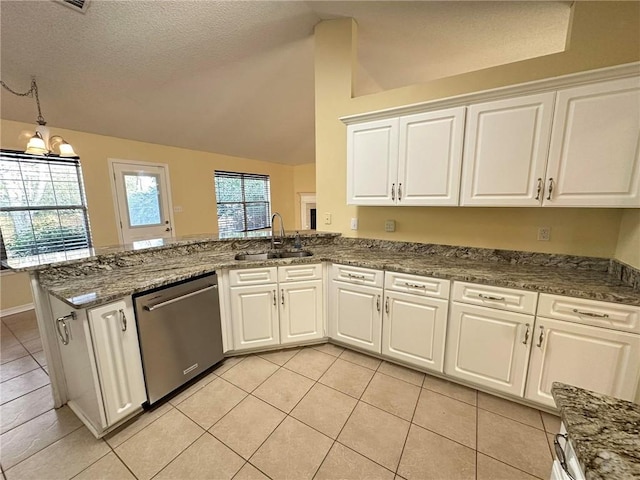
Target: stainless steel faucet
[277,243]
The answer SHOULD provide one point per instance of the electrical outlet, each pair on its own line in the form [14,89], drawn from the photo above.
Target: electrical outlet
[354,224]
[327,218]
[390,226]
[544,234]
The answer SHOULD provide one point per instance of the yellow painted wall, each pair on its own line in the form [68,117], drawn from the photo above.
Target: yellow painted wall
[628,248]
[191,175]
[602,34]
[304,181]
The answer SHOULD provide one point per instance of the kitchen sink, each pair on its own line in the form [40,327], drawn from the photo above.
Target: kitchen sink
[271,255]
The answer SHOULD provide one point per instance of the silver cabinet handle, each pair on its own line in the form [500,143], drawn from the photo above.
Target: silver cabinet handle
[64,334]
[177,299]
[378,303]
[591,314]
[560,455]
[282,296]
[386,306]
[541,337]
[490,297]
[123,320]
[526,334]
[275,301]
[357,277]
[399,191]
[393,191]
[415,285]
[539,189]
[550,188]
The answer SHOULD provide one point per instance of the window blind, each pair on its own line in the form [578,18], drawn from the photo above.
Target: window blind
[243,201]
[43,206]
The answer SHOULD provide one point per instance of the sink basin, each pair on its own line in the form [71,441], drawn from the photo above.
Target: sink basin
[297,254]
[270,255]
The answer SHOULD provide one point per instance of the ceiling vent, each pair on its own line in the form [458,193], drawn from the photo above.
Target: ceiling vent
[77,5]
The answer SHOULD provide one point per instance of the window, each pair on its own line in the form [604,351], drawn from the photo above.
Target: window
[244,201]
[42,205]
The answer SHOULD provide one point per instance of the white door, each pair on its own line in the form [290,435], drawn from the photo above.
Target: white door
[254,316]
[117,352]
[598,359]
[301,311]
[143,201]
[488,347]
[372,162]
[356,315]
[594,157]
[414,329]
[430,157]
[505,151]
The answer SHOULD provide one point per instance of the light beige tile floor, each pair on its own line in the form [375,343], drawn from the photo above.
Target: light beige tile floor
[320,412]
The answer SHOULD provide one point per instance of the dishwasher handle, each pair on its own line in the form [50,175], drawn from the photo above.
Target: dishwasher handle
[178,299]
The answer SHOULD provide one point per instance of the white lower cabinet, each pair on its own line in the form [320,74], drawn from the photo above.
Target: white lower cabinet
[355,300]
[101,361]
[276,305]
[585,355]
[415,321]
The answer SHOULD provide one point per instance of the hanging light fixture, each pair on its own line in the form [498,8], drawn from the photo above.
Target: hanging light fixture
[41,143]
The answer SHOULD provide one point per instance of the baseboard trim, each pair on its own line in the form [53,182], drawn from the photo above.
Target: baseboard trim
[16,309]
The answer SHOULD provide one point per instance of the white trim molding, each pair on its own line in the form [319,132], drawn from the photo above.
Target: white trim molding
[17,309]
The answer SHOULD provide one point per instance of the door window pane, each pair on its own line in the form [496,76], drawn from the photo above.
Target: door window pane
[143,199]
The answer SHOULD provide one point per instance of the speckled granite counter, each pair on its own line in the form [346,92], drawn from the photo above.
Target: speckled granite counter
[604,432]
[104,278]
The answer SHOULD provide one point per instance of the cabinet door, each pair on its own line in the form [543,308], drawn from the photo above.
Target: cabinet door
[488,347]
[430,157]
[594,358]
[254,316]
[301,311]
[117,352]
[356,315]
[372,162]
[413,329]
[506,149]
[594,157]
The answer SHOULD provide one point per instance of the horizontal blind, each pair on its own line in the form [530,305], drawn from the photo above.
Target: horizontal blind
[243,201]
[43,206]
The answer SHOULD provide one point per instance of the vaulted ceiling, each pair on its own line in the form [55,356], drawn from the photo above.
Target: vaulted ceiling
[236,77]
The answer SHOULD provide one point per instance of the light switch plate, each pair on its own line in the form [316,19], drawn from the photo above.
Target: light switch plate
[354,224]
[390,226]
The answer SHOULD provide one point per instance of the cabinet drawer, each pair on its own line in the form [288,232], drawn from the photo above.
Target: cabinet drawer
[253,276]
[292,273]
[615,316]
[415,284]
[501,298]
[357,275]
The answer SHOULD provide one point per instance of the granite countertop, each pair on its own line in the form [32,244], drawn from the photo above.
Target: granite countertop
[604,432]
[93,289]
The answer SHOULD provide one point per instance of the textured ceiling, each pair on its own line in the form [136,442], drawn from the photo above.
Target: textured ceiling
[236,77]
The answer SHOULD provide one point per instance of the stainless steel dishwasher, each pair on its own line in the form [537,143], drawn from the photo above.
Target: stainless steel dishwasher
[180,333]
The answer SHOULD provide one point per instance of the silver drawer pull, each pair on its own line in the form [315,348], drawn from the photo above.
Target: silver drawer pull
[357,277]
[415,285]
[541,338]
[490,297]
[177,299]
[526,335]
[123,320]
[591,314]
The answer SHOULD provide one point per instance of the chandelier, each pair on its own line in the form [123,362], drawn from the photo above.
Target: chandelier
[42,143]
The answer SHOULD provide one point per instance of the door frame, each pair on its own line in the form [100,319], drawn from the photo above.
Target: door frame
[306,199]
[114,193]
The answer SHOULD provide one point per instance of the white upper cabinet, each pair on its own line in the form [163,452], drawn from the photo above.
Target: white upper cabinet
[372,162]
[430,158]
[410,160]
[506,151]
[594,158]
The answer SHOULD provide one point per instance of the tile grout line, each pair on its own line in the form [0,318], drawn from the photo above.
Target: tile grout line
[27,421]
[406,438]
[181,451]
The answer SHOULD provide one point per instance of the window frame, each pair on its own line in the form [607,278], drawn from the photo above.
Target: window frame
[242,176]
[21,158]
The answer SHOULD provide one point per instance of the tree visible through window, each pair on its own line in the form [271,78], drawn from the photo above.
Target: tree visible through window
[42,205]
[244,201]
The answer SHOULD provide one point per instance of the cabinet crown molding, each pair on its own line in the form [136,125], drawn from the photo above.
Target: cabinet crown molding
[536,86]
